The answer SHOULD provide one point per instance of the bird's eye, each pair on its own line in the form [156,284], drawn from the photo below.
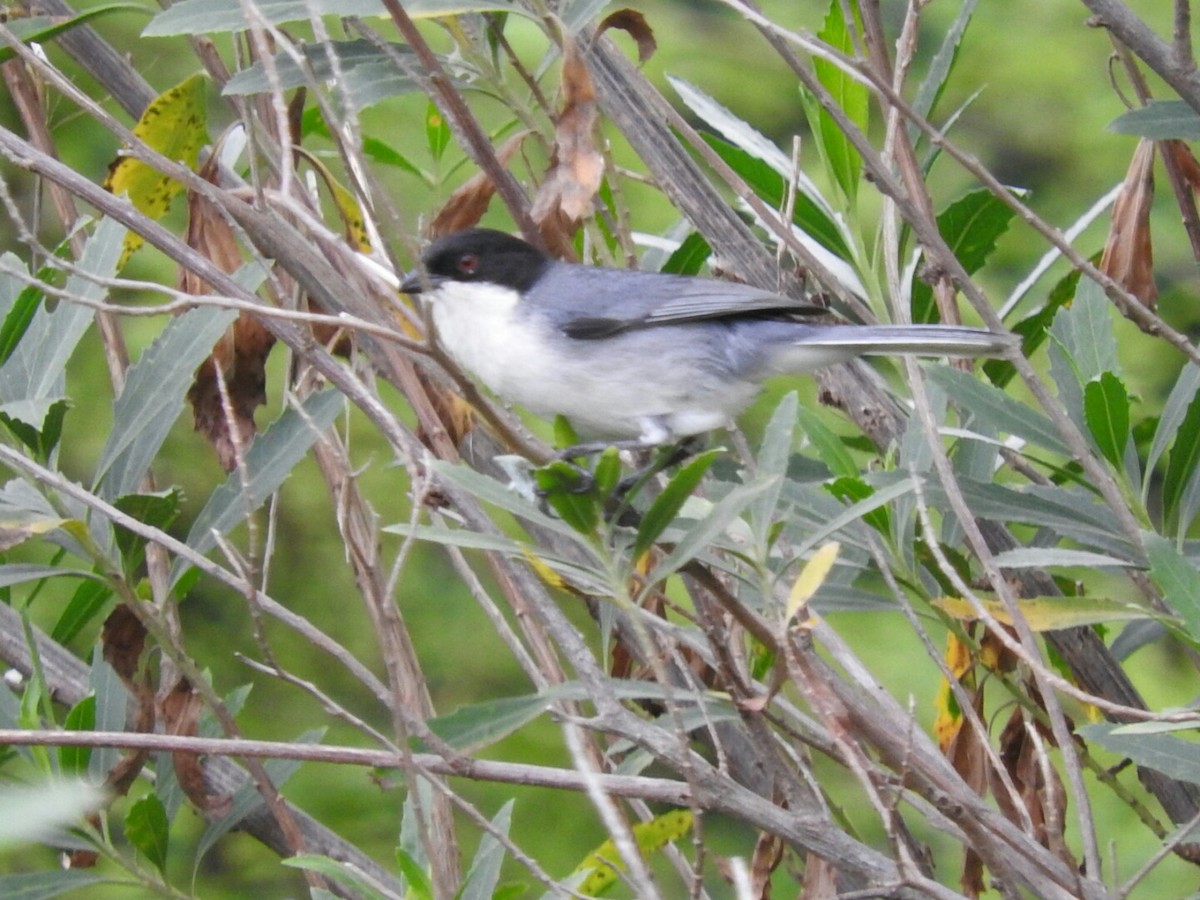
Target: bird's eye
[467,264]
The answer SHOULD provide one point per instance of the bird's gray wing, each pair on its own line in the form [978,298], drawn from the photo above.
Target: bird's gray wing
[606,302]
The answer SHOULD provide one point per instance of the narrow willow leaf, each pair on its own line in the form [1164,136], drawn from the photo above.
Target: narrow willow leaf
[830,448]
[971,226]
[210,16]
[996,408]
[437,132]
[268,463]
[1182,462]
[1174,411]
[344,873]
[41,29]
[470,728]
[811,577]
[85,605]
[51,883]
[484,874]
[82,717]
[417,882]
[18,319]
[771,461]
[1085,330]
[153,397]
[942,64]
[1106,410]
[1173,756]
[860,510]
[1178,580]
[605,862]
[365,75]
[849,93]
[689,258]
[1044,557]
[666,506]
[1034,328]
[147,830]
[1160,120]
[1048,613]
[772,187]
[705,531]
[176,125]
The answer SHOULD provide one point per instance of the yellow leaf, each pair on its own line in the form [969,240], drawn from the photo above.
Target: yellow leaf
[605,862]
[175,124]
[542,570]
[811,577]
[949,715]
[1048,613]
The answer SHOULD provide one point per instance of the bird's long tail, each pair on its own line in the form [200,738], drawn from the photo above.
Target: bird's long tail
[918,340]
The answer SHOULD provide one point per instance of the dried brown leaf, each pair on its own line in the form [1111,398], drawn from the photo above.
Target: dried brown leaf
[1128,256]
[635,25]
[466,206]
[768,851]
[576,167]
[181,708]
[239,359]
[123,638]
[1037,783]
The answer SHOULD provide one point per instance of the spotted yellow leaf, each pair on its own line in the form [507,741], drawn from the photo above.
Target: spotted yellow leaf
[605,862]
[176,125]
[1048,613]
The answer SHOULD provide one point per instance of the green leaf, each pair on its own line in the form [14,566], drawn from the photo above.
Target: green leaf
[41,29]
[666,506]
[44,885]
[484,874]
[364,76]
[82,717]
[706,530]
[564,487]
[157,510]
[268,463]
[470,728]
[1033,328]
[437,131]
[1085,331]
[1178,580]
[942,63]
[853,489]
[1173,756]
[208,16]
[689,257]
[415,877]
[771,186]
[1182,462]
[851,95]
[971,226]
[1045,557]
[997,409]
[1160,120]
[829,447]
[344,873]
[147,830]
[1175,410]
[605,862]
[153,397]
[1106,410]
[85,604]
[18,318]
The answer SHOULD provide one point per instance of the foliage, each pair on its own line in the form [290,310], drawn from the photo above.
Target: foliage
[670,648]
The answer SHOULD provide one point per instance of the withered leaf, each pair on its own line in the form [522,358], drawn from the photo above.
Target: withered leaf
[635,25]
[466,206]
[1128,256]
[123,638]
[239,359]
[576,167]
[181,708]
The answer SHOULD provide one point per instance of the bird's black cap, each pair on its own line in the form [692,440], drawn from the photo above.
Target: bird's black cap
[479,255]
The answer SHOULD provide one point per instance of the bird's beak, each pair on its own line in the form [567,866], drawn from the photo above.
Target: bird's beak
[418,282]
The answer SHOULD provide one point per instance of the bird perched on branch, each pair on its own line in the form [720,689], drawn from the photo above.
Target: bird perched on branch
[637,358]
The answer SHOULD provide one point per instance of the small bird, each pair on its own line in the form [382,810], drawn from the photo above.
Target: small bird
[638,358]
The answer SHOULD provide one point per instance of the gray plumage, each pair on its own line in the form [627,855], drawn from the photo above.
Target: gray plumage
[637,355]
